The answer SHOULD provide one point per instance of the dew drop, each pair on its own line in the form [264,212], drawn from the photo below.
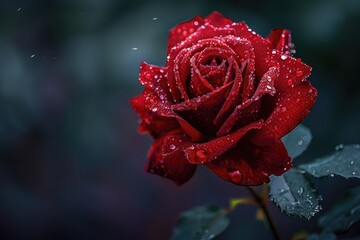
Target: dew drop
[283,109]
[172,146]
[155,18]
[332,175]
[300,142]
[273,51]
[339,147]
[32,56]
[134,48]
[235,176]
[353,173]
[352,162]
[154,109]
[299,73]
[19,9]
[201,155]
[284,57]
[290,82]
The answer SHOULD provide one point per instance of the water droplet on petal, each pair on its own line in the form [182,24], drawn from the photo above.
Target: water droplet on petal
[300,142]
[235,176]
[172,146]
[283,57]
[201,155]
[299,73]
[283,109]
[290,82]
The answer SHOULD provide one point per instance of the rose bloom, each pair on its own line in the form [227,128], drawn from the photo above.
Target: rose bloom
[224,100]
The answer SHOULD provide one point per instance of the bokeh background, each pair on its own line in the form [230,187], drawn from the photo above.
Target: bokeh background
[71,160]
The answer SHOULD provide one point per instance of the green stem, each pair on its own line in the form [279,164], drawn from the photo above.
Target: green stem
[262,205]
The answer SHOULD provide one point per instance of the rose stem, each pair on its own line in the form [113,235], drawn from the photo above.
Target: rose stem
[262,205]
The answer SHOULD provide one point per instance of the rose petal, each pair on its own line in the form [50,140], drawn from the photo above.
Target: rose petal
[153,104]
[281,40]
[251,165]
[150,121]
[290,109]
[173,166]
[181,31]
[198,84]
[193,133]
[218,20]
[234,96]
[292,72]
[262,47]
[248,110]
[155,78]
[245,50]
[201,111]
[206,152]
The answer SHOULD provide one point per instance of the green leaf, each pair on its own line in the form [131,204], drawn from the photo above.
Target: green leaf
[344,213]
[297,141]
[345,162]
[294,194]
[322,236]
[204,222]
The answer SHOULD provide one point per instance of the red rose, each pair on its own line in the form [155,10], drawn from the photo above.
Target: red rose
[224,100]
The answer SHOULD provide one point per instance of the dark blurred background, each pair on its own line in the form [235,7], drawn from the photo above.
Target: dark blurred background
[71,160]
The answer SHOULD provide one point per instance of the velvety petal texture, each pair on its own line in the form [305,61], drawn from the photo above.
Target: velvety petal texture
[225,99]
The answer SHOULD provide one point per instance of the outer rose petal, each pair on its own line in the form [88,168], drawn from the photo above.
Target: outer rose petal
[290,109]
[251,165]
[206,152]
[151,122]
[155,78]
[173,166]
[292,72]
[218,20]
[281,40]
[181,31]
